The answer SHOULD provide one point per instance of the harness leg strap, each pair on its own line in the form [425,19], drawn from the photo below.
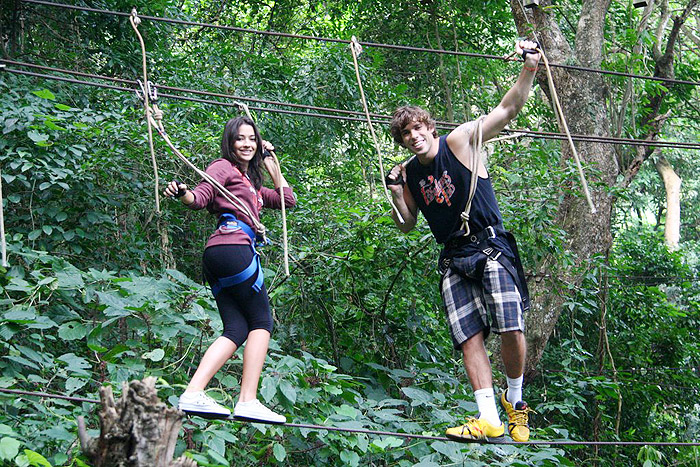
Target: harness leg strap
[508,265]
[242,276]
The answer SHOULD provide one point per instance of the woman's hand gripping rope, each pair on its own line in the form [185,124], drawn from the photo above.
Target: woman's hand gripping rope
[175,189]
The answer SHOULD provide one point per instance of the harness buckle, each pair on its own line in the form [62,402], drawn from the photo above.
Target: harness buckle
[444,265]
[491,231]
[490,253]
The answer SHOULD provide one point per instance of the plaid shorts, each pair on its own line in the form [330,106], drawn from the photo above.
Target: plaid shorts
[467,302]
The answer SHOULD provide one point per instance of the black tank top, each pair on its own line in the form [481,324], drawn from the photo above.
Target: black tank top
[440,190]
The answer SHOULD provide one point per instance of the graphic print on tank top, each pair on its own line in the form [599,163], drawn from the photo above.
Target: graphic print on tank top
[440,191]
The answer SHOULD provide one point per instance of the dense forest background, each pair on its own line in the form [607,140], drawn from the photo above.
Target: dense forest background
[102,286]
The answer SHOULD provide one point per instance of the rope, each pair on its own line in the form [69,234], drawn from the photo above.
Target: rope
[476,143]
[356,49]
[406,435]
[134,20]
[245,109]
[562,119]
[364,44]
[440,124]
[154,117]
[506,138]
[285,243]
[3,244]
[50,396]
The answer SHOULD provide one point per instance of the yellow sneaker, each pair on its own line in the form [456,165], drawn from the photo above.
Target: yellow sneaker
[476,429]
[518,427]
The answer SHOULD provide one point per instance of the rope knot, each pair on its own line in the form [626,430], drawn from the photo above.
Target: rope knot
[262,233]
[157,113]
[135,17]
[244,107]
[355,46]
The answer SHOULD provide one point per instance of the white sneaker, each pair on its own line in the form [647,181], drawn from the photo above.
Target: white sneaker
[254,411]
[198,403]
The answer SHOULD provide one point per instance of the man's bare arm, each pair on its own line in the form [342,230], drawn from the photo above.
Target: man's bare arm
[511,103]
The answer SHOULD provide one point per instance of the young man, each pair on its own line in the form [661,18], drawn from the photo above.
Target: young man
[482,277]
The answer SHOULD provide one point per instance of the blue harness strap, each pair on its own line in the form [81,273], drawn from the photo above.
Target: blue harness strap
[228,221]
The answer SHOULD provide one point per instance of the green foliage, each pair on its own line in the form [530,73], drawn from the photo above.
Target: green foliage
[360,338]
[68,330]
[647,362]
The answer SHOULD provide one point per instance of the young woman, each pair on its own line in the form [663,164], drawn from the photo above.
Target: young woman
[231,266]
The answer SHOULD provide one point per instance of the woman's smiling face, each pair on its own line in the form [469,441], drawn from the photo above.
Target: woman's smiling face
[245,145]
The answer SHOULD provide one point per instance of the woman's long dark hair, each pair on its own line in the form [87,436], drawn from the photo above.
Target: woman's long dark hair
[255,173]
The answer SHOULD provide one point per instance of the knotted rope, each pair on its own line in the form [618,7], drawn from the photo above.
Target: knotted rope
[3,244]
[285,245]
[562,119]
[476,142]
[356,49]
[135,21]
[154,117]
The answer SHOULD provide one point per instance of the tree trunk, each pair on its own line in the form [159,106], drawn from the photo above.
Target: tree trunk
[10,27]
[654,118]
[583,96]
[629,88]
[138,430]
[672,183]
[166,253]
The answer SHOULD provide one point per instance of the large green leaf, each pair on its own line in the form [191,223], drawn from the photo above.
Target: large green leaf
[9,448]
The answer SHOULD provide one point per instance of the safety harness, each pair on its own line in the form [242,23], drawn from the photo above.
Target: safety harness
[467,255]
[230,223]
[473,266]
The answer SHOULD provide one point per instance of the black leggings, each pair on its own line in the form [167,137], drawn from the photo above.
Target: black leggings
[241,308]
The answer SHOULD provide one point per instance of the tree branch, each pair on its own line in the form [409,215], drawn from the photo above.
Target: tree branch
[654,120]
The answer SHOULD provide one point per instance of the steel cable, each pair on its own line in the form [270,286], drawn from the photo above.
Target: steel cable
[345,41]
[400,434]
[346,115]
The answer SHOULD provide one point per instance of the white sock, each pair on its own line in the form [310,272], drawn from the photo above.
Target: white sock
[515,390]
[486,402]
